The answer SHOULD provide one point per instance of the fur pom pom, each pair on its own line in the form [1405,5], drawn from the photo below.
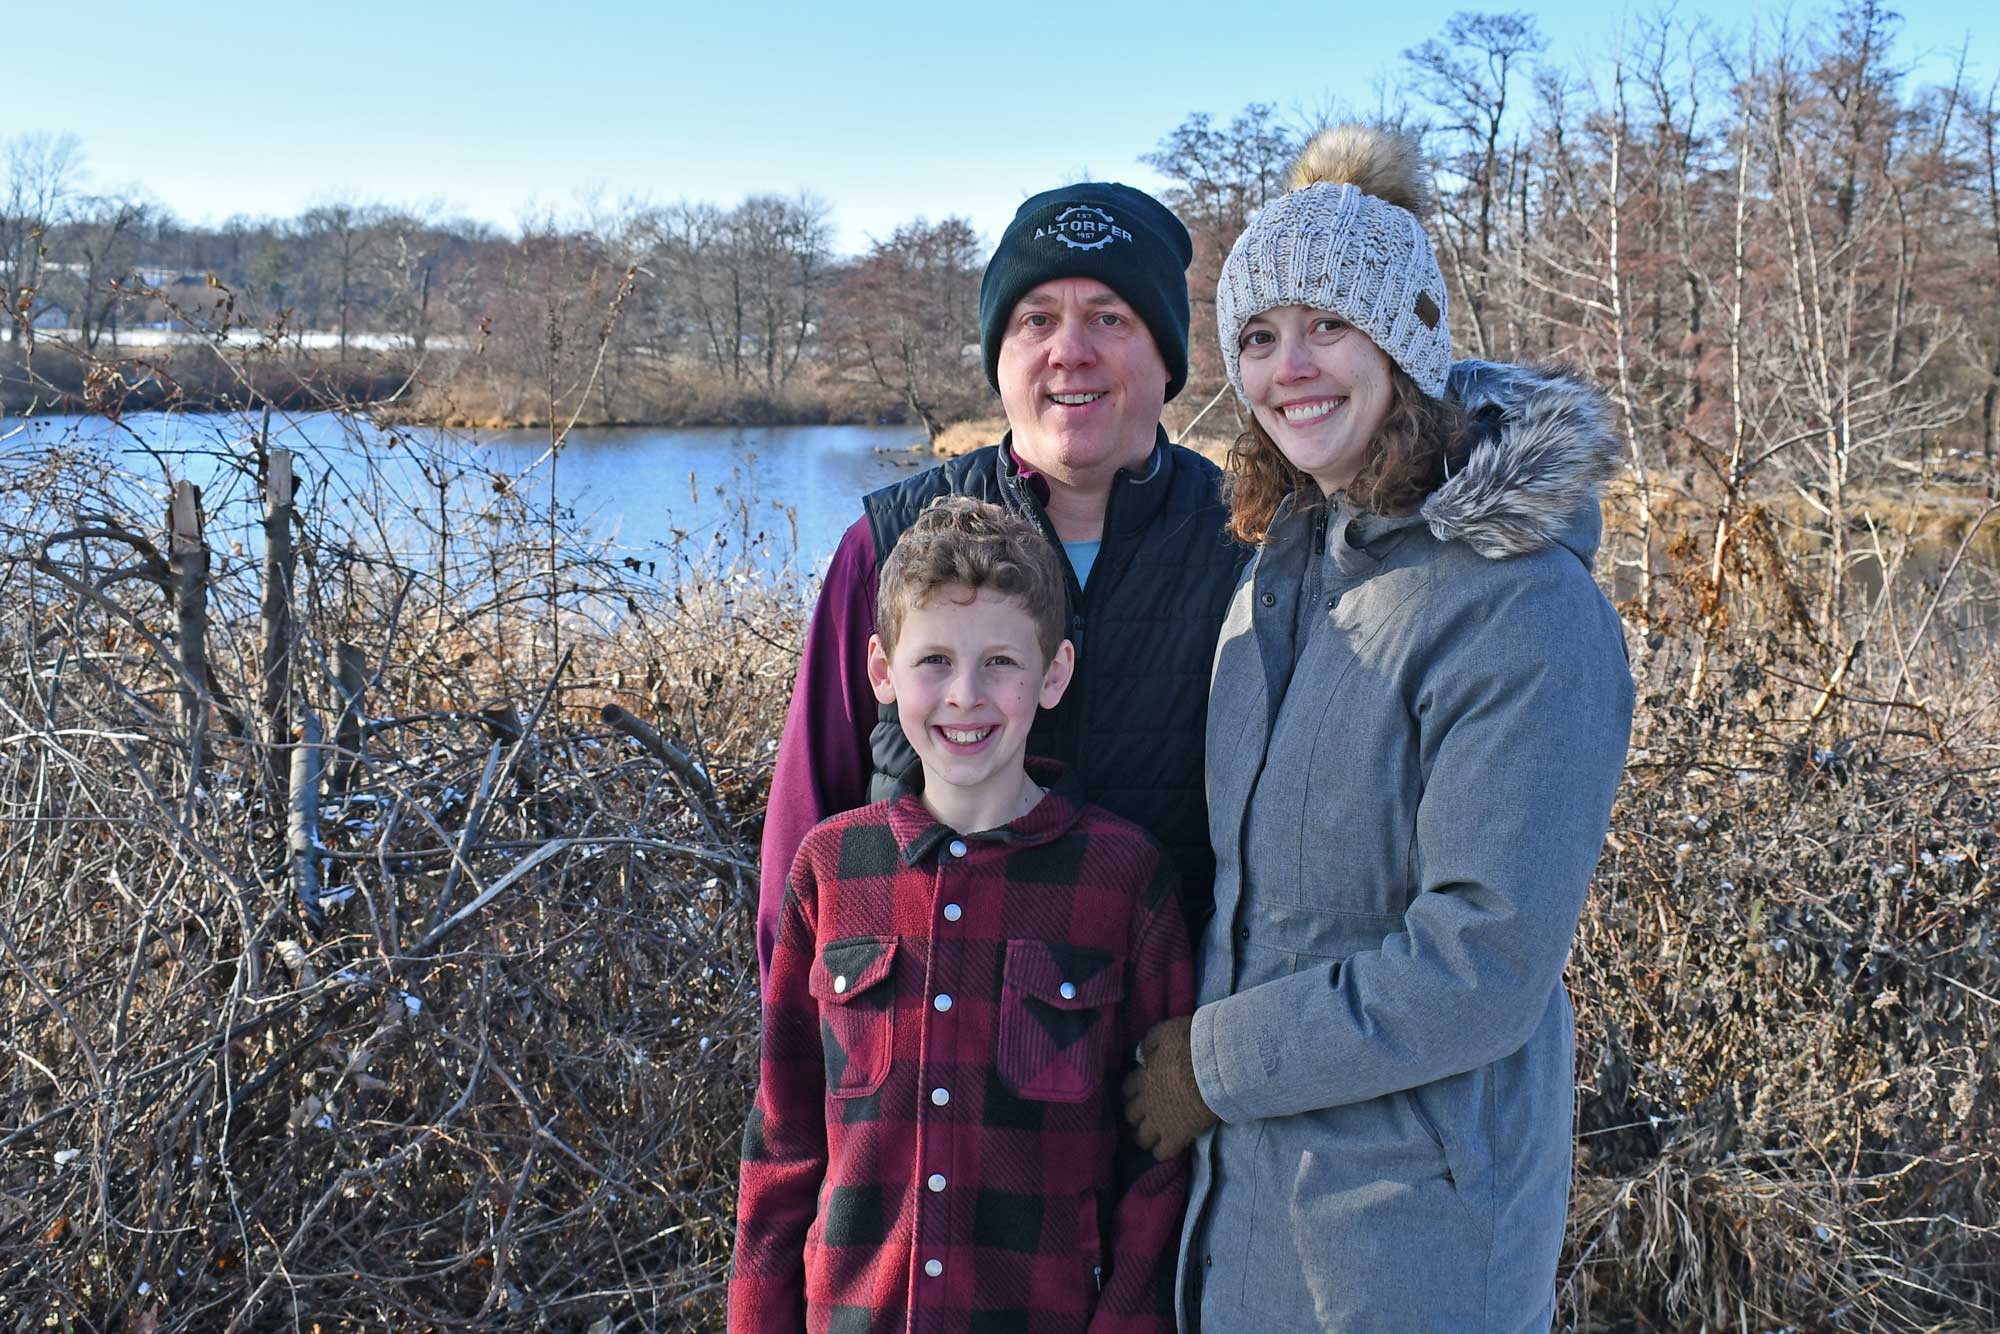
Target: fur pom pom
[1382,163]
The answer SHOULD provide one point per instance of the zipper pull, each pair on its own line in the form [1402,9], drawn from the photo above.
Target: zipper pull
[1097,1276]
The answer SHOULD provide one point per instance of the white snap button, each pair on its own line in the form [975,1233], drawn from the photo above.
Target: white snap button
[1068,990]
[839,984]
[958,847]
[943,1002]
[952,912]
[936,1183]
[939,1097]
[933,1267]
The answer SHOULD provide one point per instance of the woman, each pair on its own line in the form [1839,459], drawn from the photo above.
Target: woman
[1418,718]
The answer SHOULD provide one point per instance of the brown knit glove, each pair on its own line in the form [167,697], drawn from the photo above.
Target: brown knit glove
[1162,1100]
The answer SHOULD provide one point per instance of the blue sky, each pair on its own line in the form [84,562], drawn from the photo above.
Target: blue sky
[885,111]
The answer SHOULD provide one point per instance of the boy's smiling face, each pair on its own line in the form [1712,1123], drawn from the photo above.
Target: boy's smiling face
[967,677]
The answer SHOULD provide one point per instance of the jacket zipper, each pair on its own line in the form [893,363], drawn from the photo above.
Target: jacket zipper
[1315,577]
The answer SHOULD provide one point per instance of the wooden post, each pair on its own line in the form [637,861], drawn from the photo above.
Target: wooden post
[503,720]
[187,560]
[274,700]
[302,818]
[350,733]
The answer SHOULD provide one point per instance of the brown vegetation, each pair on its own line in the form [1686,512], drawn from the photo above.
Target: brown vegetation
[675,395]
[394,968]
[965,436]
[365,967]
[415,990]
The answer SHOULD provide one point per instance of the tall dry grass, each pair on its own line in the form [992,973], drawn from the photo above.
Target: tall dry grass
[490,1070]
[467,391]
[1787,981]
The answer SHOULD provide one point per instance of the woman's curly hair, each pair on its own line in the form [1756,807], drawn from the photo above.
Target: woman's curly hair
[1405,462]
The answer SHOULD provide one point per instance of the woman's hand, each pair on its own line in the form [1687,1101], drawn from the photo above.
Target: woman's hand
[1162,1100]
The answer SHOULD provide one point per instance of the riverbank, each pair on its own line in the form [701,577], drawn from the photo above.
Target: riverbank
[448,386]
[469,393]
[748,408]
[962,437]
[453,388]
[193,377]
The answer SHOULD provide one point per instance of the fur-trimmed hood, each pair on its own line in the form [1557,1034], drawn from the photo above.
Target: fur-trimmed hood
[1541,445]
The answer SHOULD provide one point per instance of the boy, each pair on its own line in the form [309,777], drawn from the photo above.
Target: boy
[959,978]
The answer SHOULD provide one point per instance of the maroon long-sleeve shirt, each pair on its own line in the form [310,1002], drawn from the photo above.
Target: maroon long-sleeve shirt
[822,765]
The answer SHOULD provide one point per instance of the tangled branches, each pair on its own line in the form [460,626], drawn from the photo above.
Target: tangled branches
[1788,987]
[420,993]
[448,1017]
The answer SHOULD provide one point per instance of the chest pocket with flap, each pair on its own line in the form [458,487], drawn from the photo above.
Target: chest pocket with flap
[857,1012]
[1058,1006]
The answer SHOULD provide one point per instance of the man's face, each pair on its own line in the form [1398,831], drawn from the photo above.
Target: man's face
[1081,381]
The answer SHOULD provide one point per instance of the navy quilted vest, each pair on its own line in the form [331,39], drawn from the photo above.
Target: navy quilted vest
[1132,723]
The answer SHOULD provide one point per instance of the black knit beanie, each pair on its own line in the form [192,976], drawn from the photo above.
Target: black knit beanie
[1124,238]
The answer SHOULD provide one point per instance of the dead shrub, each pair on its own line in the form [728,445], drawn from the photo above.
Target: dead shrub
[491,1069]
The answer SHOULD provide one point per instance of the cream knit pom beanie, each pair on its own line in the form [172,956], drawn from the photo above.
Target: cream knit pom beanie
[1347,240]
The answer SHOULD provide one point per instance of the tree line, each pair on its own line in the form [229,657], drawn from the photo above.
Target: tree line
[679,309]
[1782,256]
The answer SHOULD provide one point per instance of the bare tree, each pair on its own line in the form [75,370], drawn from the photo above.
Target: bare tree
[689,242]
[106,236]
[1220,175]
[43,172]
[782,252]
[1982,139]
[906,314]
[338,237]
[1468,75]
[413,262]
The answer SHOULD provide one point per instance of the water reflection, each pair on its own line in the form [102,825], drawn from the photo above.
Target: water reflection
[780,495]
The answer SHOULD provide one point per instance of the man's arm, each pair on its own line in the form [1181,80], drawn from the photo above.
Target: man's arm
[823,762]
[1143,1241]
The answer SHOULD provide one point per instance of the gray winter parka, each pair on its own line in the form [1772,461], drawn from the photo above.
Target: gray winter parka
[1416,727]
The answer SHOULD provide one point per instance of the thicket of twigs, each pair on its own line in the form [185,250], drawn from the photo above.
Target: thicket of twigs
[374,974]
[445,1021]
[1788,973]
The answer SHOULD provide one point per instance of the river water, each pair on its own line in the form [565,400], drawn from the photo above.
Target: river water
[781,494]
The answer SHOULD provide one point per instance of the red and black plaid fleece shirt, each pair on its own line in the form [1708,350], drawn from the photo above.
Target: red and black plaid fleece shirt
[937,1142]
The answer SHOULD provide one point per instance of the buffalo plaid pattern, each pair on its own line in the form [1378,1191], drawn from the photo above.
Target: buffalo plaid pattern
[936,1143]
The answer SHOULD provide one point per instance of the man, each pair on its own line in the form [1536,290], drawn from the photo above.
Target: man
[1083,315]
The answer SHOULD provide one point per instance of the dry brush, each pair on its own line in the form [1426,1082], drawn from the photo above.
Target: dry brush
[375,944]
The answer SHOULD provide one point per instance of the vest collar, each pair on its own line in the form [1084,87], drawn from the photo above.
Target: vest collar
[1137,495]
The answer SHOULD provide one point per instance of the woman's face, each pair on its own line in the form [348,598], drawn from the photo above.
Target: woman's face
[1319,387]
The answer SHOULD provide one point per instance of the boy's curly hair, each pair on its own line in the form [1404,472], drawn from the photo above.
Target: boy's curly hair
[977,545]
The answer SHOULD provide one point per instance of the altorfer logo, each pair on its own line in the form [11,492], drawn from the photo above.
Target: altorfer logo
[1084,227]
